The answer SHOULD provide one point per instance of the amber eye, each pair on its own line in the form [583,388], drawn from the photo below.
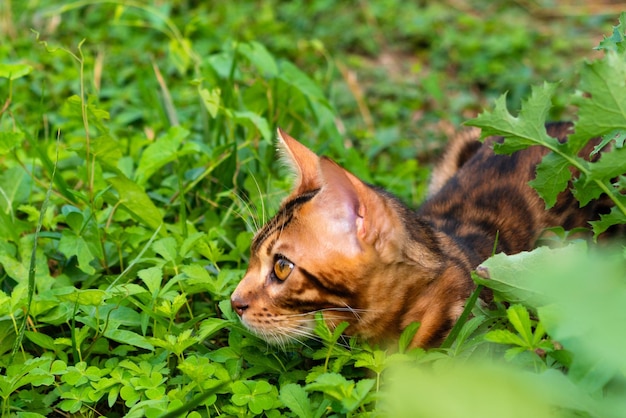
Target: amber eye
[283,268]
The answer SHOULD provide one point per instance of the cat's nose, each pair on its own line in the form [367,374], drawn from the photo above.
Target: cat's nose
[238,305]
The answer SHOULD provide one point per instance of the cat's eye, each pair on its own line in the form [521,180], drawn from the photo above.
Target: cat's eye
[283,268]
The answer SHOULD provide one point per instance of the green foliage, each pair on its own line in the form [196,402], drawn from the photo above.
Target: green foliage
[137,160]
[601,103]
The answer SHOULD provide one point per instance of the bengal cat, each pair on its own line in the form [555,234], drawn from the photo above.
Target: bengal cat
[355,253]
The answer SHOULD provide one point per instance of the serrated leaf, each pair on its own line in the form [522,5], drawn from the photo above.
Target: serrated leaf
[611,164]
[190,242]
[210,326]
[503,336]
[361,390]
[602,100]
[552,178]
[585,191]
[615,217]
[523,131]
[407,336]
[152,277]
[616,41]
[520,319]
[296,399]
[618,136]
[166,248]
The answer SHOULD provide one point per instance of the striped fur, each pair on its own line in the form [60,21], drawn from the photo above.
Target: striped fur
[357,254]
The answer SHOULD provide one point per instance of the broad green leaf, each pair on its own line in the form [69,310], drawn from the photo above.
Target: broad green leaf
[16,186]
[15,269]
[579,297]
[602,100]
[260,57]
[302,83]
[73,217]
[552,178]
[293,76]
[162,151]
[255,121]
[136,201]
[87,297]
[470,389]
[166,248]
[42,340]
[74,245]
[523,131]
[129,337]
[14,71]
[507,280]
[296,399]
[107,150]
[210,326]
[73,106]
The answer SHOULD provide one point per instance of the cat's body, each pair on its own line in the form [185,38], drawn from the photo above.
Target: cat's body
[357,254]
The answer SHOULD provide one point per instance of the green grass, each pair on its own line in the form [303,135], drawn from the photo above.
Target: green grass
[137,158]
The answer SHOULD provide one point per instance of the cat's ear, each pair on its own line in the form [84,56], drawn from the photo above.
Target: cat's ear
[363,208]
[345,194]
[303,161]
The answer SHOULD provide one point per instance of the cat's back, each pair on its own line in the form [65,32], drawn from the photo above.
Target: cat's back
[479,194]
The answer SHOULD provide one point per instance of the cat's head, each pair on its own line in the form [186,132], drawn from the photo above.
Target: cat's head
[322,252]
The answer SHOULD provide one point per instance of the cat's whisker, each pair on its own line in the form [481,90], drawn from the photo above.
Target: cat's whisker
[263,214]
[252,219]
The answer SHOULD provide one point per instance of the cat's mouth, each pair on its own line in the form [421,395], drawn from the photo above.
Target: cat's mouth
[284,329]
[280,330]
